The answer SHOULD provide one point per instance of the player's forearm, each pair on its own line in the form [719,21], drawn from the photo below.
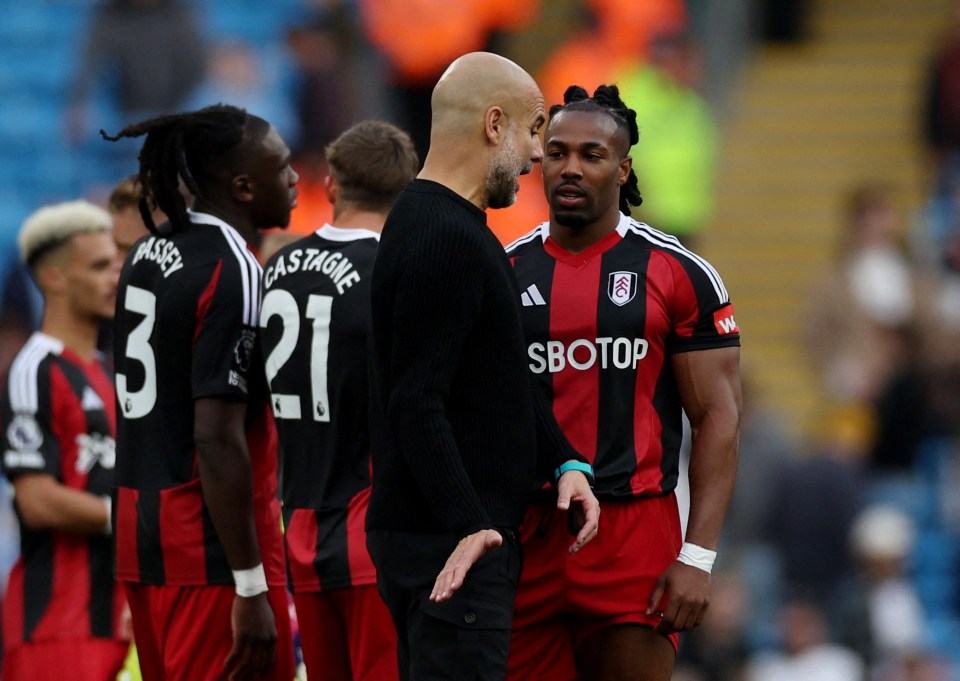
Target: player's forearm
[49,505]
[712,473]
[227,481]
[226,477]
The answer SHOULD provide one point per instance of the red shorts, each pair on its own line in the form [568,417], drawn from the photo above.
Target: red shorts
[563,599]
[347,635]
[185,632]
[93,659]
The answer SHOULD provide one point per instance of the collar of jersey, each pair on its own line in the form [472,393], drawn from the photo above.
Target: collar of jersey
[199,218]
[332,233]
[580,259]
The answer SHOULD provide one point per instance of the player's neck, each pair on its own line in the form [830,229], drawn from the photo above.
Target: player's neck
[78,334]
[237,219]
[579,239]
[351,217]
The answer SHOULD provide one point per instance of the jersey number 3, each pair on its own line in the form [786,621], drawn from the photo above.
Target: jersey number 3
[282,303]
[138,403]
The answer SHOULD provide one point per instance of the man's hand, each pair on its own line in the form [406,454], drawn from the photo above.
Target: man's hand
[467,552]
[688,591]
[573,486]
[254,638]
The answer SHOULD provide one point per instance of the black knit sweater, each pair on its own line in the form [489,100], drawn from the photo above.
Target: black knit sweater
[455,426]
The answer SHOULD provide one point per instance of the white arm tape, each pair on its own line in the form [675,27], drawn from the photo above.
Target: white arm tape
[250,582]
[697,556]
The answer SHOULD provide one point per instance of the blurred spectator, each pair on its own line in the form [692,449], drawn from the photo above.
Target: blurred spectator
[879,613]
[331,76]
[717,649]
[807,652]
[616,36]
[338,81]
[917,667]
[234,75]
[767,451]
[877,334]
[21,305]
[419,39]
[149,51]
[677,156]
[941,131]
[141,58]
[813,504]
[863,304]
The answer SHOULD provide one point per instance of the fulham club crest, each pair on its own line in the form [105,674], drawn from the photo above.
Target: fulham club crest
[622,287]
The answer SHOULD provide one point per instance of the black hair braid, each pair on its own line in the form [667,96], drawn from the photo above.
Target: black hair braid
[606,98]
[181,146]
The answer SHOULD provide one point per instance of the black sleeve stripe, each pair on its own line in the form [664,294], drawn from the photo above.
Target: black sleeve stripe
[542,231]
[670,243]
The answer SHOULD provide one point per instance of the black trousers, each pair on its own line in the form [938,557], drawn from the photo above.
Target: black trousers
[466,638]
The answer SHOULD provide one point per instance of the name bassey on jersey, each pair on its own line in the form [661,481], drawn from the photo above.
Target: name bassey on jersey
[334,264]
[161,251]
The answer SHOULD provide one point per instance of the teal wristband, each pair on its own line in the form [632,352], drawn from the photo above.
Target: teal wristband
[584,468]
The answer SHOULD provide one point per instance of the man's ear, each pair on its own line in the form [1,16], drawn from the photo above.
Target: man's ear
[332,189]
[50,278]
[623,173]
[242,188]
[495,125]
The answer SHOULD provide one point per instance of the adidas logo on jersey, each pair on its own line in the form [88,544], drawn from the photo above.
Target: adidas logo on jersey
[91,400]
[531,297]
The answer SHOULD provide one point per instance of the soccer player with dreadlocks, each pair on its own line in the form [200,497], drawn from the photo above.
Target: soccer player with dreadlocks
[625,329]
[199,547]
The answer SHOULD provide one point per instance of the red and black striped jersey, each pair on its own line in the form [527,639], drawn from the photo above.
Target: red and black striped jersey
[600,328]
[58,419]
[314,322]
[186,328]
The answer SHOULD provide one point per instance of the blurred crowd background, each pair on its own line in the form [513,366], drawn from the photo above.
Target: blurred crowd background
[810,149]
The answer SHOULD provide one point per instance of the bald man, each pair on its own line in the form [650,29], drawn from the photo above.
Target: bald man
[457,434]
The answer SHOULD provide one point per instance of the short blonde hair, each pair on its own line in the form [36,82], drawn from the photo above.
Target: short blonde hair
[51,226]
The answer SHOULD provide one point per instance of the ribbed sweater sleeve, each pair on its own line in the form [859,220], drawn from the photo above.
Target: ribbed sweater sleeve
[437,298]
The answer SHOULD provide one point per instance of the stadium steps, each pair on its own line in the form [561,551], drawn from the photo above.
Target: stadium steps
[808,122]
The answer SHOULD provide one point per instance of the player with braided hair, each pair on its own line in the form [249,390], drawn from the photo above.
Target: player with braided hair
[199,548]
[625,330]
[607,97]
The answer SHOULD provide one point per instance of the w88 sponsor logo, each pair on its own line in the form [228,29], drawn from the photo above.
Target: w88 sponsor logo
[583,354]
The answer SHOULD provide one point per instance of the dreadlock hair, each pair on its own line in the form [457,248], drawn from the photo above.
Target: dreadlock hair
[606,98]
[190,147]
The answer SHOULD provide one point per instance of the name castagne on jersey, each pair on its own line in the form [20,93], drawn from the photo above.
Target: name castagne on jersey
[335,265]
